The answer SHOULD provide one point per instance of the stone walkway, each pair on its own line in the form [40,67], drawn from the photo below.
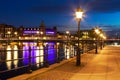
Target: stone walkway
[102,66]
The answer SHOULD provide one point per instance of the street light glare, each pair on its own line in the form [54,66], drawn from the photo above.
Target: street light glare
[97,31]
[67,32]
[101,35]
[79,15]
[41,33]
[37,32]
[9,32]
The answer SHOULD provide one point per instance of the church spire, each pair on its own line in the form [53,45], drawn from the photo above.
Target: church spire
[42,24]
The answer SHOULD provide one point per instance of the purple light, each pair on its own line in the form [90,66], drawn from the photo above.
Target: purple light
[50,33]
[25,55]
[30,32]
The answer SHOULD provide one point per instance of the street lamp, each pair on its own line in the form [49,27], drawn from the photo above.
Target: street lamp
[9,36]
[67,33]
[101,37]
[79,14]
[97,31]
[67,46]
[99,34]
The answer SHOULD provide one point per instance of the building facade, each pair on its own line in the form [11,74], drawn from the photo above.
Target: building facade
[7,31]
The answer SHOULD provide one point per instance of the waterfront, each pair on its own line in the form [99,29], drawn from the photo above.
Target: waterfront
[16,59]
[102,66]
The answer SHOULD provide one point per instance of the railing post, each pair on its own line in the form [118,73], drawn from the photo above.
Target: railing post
[96,47]
[82,46]
[46,56]
[101,44]
[58,53]
[29,65]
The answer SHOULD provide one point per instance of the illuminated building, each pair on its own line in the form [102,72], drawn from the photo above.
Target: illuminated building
[37,33]
[7,31]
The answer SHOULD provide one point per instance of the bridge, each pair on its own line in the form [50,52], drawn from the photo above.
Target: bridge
[7,40]
[43,40]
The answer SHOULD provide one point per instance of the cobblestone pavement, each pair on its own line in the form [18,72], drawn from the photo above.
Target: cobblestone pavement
[102,66]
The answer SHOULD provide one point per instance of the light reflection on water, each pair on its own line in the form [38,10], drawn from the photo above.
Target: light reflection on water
[41,54]
[25,54]
[15,49]
[35,52]
[9,57]
[37,58]
[19,56]
[67,51]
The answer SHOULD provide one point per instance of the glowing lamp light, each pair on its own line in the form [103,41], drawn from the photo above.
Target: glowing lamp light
[41,33]
[97,31]
[15,33]
[67,32]
[37,32]
[44,38]
[104,37]
[9,32]
[58,43]
[79,13]
[45,44]
[101,35]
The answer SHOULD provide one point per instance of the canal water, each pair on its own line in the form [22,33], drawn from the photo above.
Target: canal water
[16,59]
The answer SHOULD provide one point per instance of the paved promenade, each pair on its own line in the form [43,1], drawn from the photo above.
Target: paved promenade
[102,66]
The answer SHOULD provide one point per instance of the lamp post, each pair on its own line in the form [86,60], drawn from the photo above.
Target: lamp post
[101,37]
[67,45]
[9,36]
[67,33]
[79,14]
[97,31]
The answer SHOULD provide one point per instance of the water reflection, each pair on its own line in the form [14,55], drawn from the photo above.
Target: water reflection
[67,51]
[25,54]
[51,52]
[36,54]
[15,52]
[33,54]
[9,57]
[41,54]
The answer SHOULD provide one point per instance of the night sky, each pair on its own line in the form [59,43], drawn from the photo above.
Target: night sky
[29,13]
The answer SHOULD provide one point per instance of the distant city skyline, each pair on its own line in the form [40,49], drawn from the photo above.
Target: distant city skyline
[60,13]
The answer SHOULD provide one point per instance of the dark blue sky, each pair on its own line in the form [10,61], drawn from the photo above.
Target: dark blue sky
[29,13]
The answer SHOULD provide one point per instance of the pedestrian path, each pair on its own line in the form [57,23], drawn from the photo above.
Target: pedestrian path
[102,66]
